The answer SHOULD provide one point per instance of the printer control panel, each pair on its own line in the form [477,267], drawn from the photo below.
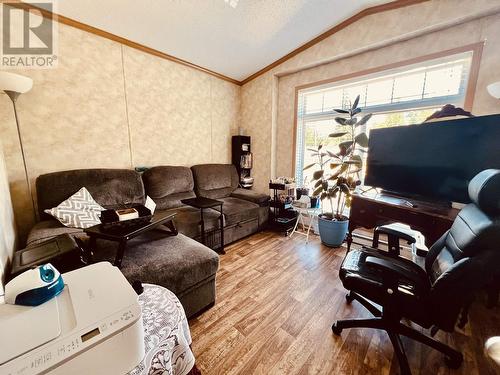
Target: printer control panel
[67,346]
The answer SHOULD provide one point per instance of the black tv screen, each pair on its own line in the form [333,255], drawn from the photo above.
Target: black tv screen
[433,160]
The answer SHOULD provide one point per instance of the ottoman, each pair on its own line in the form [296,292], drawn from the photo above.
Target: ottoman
[178,263]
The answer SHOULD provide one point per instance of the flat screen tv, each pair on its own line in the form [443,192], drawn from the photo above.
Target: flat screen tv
[435,160]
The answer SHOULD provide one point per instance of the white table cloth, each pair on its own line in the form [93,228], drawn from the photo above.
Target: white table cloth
[166,334]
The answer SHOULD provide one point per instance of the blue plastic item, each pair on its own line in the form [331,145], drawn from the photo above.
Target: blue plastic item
[35,286]
[332,233]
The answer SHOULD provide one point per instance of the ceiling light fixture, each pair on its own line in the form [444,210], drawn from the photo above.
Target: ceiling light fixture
[494,89]
[232,3]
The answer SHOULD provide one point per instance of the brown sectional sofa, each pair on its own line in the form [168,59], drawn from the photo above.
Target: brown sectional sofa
[245,212]
[179,263]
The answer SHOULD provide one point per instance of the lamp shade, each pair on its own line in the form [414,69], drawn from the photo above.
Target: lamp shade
[15,82]
[494,89]
[492,347]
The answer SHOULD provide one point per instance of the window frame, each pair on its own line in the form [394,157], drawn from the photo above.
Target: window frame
[475,48]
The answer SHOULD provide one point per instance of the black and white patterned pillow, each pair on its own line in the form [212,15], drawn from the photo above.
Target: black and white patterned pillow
[78,211]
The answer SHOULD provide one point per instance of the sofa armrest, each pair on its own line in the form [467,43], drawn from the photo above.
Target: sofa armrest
[48,229]
[251,196]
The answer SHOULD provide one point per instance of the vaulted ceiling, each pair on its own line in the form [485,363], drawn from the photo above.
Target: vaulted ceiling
[235,38]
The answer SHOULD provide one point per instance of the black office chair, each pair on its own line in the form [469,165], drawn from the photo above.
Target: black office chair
[437,294]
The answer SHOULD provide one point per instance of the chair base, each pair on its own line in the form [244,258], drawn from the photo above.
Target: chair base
[395,329]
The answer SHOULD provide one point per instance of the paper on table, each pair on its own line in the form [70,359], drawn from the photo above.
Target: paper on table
[150,204]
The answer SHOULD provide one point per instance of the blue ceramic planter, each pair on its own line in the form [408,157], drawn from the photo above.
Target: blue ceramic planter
[332,232]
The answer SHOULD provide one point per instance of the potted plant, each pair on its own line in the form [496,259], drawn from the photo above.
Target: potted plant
[338,173]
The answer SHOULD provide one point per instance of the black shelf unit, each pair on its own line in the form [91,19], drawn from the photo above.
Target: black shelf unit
[280,205]
[240,146]
[282,216]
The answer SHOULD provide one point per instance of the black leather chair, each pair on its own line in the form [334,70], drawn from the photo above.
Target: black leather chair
[435,294]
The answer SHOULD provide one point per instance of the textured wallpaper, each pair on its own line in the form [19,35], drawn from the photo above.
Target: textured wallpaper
[257,95]
[107,105]
[256,115]
[177,115]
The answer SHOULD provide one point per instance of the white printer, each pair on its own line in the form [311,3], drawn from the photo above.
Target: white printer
[93,327]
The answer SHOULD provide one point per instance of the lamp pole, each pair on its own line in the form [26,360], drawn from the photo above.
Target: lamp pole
[13,95]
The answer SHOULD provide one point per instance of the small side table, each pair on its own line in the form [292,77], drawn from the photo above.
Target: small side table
[204,203]
[123,235]
[310,213]
[62,251]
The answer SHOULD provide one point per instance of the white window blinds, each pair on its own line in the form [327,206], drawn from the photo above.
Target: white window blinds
[444,79]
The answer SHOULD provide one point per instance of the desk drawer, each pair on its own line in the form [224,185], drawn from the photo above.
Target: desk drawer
[369,213]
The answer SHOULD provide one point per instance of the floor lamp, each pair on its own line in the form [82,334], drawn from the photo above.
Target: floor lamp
[14,85]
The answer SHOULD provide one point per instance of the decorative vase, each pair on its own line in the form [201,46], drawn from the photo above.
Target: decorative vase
[332,232]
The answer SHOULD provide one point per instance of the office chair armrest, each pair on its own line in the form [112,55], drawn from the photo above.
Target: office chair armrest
[390,231]
[386,265]
[422,252]
[392,275]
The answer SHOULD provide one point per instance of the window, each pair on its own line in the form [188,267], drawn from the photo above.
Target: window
[401,96]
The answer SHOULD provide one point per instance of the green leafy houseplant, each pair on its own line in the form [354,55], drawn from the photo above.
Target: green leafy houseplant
[338,173]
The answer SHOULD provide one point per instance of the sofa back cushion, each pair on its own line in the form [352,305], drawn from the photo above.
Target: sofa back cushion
[167,185]
[109,187]
[215,180]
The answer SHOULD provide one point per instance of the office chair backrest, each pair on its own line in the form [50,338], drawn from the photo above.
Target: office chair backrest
[467,256]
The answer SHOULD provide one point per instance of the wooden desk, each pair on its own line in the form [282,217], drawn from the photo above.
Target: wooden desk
[369,211]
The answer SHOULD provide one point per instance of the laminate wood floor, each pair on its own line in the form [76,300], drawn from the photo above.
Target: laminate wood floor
[277,298]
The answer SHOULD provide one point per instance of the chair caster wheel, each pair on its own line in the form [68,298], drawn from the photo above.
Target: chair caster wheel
[453,362]
[349,298]
[336,330]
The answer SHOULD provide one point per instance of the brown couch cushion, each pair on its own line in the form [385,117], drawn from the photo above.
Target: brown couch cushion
[109,187]
[177,263]
[215,180]
[251,196]
[168,185]
[237,210]
[187,220]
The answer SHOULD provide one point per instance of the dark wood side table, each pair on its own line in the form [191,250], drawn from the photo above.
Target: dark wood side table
[62,251]
[123,235]
[369,211]
[205,203]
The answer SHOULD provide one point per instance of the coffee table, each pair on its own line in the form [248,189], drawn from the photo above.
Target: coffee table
[123,235]
[205,203]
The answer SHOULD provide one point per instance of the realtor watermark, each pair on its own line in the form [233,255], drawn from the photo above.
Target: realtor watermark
[29,36]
